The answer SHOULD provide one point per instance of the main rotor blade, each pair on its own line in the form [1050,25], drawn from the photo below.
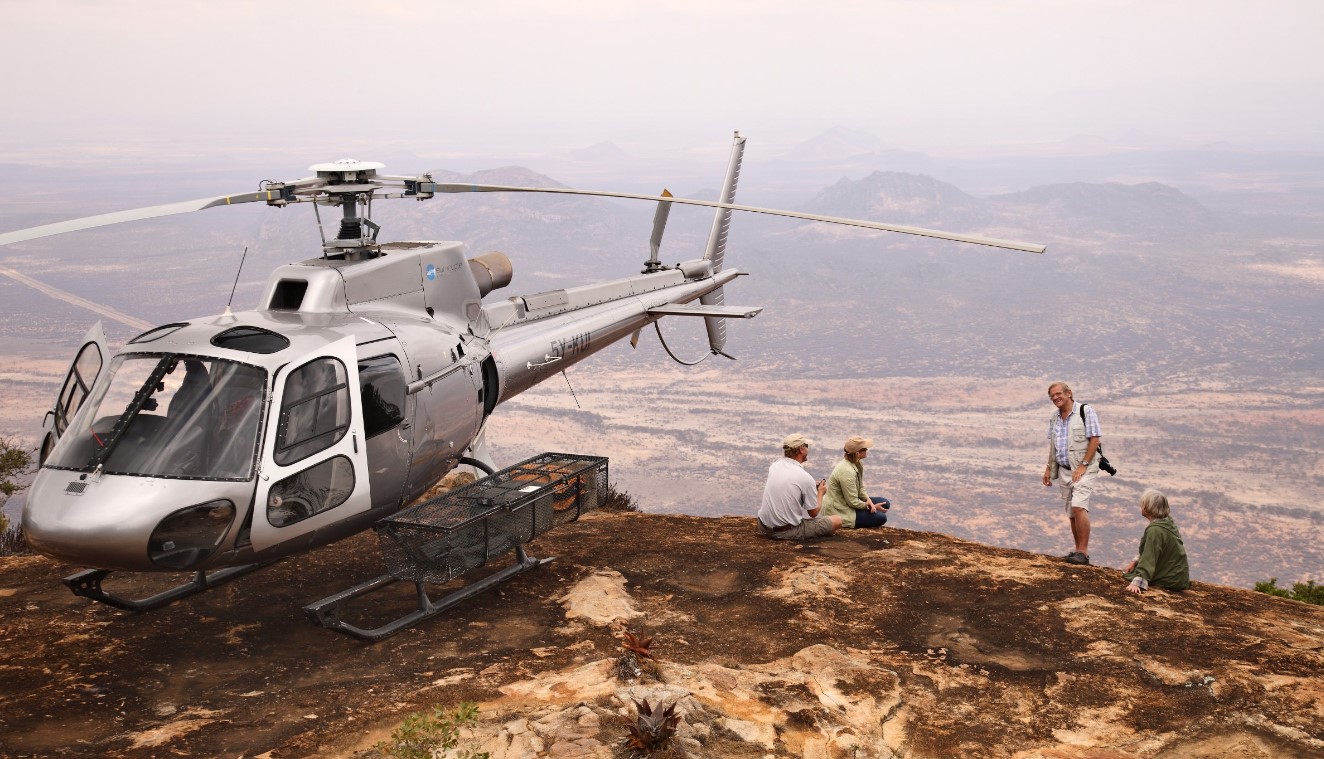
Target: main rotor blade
[118,217]
[974,239]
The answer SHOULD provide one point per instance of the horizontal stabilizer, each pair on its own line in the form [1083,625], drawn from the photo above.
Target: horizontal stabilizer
[719,312]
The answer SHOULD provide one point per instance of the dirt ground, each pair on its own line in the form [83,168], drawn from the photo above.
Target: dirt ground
[995,650]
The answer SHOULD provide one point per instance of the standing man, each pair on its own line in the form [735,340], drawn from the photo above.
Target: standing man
[1073,463]
[787,513]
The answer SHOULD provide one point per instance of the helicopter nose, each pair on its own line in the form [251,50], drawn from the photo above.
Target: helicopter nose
[110,522]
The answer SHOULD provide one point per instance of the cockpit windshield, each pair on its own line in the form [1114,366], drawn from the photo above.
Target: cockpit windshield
[168,415]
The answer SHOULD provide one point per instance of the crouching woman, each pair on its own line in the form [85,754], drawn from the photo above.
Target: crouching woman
[1162,560]
[845,495]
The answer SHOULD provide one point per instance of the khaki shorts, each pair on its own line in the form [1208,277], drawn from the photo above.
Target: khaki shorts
[816,527]
[1076,495]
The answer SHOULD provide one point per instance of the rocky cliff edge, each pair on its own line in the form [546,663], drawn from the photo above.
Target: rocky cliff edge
[878,643]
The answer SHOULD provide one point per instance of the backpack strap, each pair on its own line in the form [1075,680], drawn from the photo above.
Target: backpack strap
[1082,422]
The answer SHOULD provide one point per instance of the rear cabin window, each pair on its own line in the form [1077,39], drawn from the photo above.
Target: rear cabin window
[382,387]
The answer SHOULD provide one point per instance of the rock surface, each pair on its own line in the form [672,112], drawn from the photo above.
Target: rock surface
[882,643]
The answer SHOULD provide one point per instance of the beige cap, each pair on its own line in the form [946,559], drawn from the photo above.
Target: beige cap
[856,444]
[795,441]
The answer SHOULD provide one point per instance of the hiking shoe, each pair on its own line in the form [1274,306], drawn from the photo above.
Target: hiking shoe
[1076,557]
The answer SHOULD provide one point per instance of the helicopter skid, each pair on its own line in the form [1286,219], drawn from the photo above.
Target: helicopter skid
[326,612]
[87,584]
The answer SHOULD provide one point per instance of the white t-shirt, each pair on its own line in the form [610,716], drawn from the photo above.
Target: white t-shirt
[789,495]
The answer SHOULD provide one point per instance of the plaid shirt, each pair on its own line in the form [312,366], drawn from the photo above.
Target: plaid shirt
[1059,430]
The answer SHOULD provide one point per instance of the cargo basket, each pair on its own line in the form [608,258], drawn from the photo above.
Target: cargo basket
[443,538]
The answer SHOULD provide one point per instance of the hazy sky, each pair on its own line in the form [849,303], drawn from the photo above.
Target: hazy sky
[86,75]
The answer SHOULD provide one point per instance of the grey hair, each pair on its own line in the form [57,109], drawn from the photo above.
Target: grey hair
[1065,387]
[1154,504]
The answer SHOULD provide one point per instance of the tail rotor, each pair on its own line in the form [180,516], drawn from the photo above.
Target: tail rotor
[717,247]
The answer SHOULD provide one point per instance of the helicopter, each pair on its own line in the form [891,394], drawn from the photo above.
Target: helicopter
[220,444]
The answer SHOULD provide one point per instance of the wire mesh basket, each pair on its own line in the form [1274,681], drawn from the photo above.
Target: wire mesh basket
[442,538]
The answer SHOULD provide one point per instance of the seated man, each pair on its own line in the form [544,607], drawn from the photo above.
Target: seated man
[786,513]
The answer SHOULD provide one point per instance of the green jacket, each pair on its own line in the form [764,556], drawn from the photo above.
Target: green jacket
[1162,557]
[845,492]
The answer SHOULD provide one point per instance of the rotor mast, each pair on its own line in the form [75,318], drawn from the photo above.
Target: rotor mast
[350,183]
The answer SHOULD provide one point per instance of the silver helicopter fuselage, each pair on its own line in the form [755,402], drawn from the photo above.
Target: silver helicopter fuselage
[355,386]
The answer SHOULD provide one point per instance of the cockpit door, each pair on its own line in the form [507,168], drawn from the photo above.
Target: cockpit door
[314,456]
[83,372]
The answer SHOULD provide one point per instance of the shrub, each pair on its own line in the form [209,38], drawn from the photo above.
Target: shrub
[618,500]
[1306,592]
[423,735]
[14,461]
[12,540]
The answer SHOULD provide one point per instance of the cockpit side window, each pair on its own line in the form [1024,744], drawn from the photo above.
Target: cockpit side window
[315,411]
[77,385]
[382,387]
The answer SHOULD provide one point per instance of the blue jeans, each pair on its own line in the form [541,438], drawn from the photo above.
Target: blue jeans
[866,518]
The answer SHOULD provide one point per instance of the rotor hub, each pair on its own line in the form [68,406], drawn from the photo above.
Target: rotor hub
[346,170]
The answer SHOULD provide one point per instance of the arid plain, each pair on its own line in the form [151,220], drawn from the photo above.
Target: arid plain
[956,455]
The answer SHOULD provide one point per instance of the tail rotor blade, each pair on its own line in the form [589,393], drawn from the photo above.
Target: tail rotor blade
[659,226]
[722,219]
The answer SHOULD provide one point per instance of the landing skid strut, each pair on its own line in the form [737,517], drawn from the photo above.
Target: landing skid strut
[88,585]
[326,612]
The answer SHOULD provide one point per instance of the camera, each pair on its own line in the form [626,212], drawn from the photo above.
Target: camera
[1105,466]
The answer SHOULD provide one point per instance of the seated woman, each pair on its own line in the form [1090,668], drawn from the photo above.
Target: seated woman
[845,495]
[1162,559]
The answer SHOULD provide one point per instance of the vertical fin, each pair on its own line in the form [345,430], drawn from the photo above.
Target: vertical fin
[717,245]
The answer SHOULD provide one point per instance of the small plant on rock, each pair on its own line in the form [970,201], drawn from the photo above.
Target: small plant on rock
[652,728]
[423,735]
[637,645]
[637,659]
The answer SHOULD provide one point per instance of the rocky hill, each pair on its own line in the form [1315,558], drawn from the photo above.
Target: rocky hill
[893,195]
[884,643]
